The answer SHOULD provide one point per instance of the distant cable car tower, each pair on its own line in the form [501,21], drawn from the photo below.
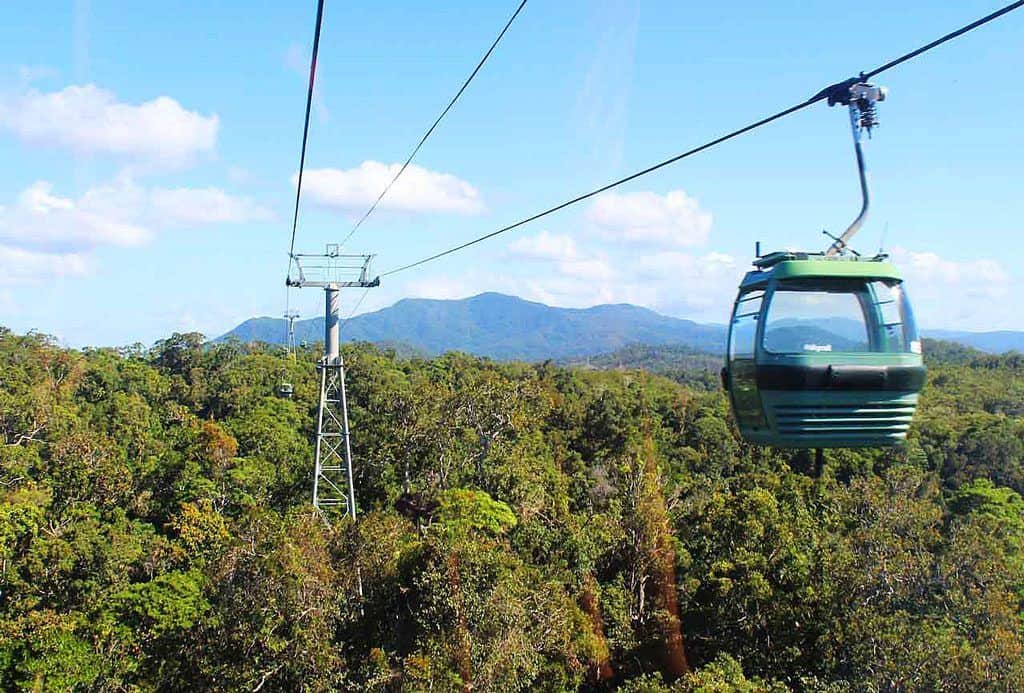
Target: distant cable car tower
[333,486]
[291,316]
[285,388]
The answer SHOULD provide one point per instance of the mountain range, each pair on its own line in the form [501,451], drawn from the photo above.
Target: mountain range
[992,342]
[500,326]
[506,327]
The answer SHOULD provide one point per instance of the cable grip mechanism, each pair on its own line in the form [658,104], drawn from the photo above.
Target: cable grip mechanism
[861,96]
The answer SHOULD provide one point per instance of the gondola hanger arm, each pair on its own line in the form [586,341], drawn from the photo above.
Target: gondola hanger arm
[860,97]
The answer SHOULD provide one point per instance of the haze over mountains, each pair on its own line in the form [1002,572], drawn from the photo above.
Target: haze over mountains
[507,327]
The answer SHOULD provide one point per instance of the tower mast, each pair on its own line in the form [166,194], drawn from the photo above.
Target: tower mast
[333,483]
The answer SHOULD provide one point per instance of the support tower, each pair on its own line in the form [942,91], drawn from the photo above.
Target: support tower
[333,485]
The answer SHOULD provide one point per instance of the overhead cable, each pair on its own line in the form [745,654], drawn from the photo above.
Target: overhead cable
[431,129]
[305,129]
[820,96]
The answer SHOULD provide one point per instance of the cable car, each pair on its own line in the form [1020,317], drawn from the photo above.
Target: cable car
[823,352]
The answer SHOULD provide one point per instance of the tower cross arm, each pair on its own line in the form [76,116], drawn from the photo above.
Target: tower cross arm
[359,284]
[332,270]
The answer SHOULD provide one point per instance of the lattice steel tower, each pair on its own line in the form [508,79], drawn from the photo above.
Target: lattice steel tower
[333,485]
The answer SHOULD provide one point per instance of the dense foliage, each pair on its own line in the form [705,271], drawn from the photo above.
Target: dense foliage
[522,527]
[697,369]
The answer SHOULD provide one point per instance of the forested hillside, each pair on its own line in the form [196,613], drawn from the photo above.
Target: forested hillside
[692,367]
[523,527]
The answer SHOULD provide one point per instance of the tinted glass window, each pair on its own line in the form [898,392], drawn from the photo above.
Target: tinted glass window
[743,336]
[898,329]
[817,319]
[840,315]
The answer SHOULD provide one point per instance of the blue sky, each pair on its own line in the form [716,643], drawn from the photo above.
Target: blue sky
[150,153]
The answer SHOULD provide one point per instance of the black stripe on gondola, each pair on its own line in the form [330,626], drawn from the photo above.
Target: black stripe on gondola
[841,377]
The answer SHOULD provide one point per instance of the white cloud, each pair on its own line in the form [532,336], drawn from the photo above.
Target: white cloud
[679,265]
[41,220]
[205,206]
[569,292]
[88,119]
[671,220]
[957,294]
[120,213]
[563,256]
[418,190]
[685,284]
[22,266]
[544,246]
[986,278]
[691,285]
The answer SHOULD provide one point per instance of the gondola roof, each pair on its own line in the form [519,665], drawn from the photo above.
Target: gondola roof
[800,265]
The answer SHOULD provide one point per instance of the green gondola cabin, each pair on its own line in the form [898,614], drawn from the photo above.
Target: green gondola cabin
[823,352]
